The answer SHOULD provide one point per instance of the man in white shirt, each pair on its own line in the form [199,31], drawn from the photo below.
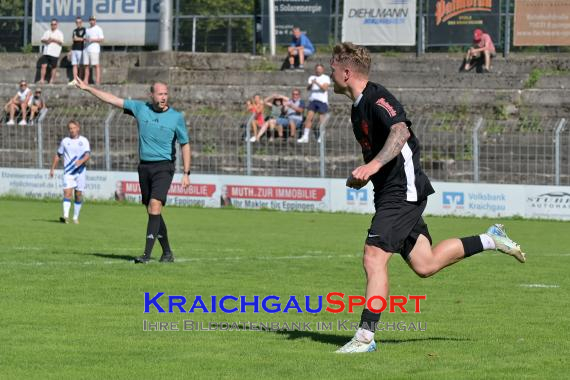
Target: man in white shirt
[21,101]
[318,86]
[75,151]
[53,41]
[93,38]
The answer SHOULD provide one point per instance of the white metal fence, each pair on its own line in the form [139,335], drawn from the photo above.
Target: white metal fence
[529,151]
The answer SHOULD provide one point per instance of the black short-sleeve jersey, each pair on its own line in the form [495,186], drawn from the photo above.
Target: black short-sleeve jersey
[375,113]
[78,32]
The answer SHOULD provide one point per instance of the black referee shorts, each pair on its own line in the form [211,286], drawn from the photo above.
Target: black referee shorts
[155,179]
[396,226]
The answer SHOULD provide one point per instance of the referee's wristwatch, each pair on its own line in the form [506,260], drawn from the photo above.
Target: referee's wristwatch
[187,173]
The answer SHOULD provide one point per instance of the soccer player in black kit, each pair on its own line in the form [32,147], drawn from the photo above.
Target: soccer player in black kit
[392,162]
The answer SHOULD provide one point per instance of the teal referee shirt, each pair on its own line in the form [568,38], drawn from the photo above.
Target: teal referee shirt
[158,131]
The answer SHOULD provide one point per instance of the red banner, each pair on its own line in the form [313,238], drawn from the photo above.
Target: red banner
[274,192]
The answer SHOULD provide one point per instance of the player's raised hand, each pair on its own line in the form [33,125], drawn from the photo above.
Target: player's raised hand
[355,183]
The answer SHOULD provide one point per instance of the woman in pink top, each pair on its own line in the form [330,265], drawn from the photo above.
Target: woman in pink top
[483,48]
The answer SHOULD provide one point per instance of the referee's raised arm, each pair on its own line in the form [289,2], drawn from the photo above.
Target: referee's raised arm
[102,95]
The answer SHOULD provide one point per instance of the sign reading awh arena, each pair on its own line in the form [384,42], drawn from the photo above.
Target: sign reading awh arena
[276,197]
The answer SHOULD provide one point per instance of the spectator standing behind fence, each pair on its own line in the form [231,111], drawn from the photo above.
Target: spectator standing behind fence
[255,106]
[37,104]
[318,99]
[78,38]
[53,41]
[19,102]
[481,53]
[301,46]
[93,37]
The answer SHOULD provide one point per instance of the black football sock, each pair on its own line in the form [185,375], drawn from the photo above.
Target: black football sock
[151,232]
[163,236]
[472,245]
[369,320]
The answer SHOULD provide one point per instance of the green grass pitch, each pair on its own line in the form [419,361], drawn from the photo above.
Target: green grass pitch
[72,302]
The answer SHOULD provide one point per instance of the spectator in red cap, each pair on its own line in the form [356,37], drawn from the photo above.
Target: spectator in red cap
[481,52]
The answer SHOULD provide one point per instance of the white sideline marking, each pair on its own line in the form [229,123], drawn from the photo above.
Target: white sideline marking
[539,286]
[184,260]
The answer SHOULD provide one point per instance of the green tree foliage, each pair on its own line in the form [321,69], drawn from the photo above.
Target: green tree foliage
[12,7]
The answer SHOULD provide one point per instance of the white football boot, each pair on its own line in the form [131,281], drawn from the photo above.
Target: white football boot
[356,346]
[504,244]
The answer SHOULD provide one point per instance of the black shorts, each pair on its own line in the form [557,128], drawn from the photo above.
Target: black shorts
[49,60]
[155,179]
[396,226]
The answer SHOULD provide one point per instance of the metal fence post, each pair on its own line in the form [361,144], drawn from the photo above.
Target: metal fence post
[108,140]
[26,7]
[177,27]
[194,34]
[336,11]
[557,155]
[41,138]
[248,145]
[507,42]
[476,149]
[322,146]
[229,36]
[420,29]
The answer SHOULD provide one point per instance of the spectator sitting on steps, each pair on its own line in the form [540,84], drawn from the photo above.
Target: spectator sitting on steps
[481,53]
[300,46]
[19,102]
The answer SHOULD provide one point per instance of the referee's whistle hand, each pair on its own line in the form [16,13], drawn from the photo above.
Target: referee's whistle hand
[185,181]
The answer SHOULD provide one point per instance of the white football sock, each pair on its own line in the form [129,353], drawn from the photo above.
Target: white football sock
[76,210]
[306,132]
[364,335]
[487,242]
[66,207]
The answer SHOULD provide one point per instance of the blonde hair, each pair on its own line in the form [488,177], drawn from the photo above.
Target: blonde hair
[354,56]
[73,121]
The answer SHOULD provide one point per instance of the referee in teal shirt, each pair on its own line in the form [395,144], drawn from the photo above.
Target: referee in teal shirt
[160,126]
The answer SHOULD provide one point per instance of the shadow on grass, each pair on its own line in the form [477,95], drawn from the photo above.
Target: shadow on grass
[48,221]
[114,257]
[340,340]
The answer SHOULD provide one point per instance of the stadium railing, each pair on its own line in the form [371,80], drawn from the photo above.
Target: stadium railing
[458,149]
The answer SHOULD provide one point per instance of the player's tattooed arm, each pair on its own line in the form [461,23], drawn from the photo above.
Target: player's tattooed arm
[396,140]
[398,136]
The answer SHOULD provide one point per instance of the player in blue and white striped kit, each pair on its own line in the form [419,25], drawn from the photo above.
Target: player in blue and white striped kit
[75,151]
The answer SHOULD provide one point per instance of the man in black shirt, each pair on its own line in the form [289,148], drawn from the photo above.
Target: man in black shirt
[392,162]
[78,38]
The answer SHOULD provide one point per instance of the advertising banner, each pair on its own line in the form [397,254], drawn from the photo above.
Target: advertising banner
[312,16]
[287,194]
[467,199]
[547,202]
[379,22]
[452,22]
[124,22]
[542,23]
[300,194]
